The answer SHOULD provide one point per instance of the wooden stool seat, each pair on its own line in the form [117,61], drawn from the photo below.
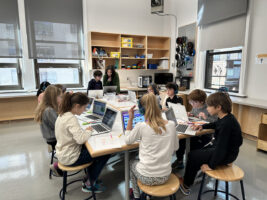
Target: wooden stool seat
[227,173]
[167,189]
[75,168]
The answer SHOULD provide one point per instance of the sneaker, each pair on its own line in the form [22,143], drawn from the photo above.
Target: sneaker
[178,164]
[86,182]
[97,188]
[56,170]
[186,191]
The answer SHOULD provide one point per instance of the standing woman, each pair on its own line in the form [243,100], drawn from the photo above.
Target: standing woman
[111,78]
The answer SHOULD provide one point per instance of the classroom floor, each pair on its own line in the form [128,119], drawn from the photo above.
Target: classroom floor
[24,162]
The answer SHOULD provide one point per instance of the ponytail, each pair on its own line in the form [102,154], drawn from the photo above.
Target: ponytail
[69,100]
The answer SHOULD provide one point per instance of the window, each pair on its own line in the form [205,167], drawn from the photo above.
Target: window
[223,69]
[66,72]
[10,48]
[55,40]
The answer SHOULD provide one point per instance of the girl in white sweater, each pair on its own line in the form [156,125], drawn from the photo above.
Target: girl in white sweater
[70,147]
[158,141]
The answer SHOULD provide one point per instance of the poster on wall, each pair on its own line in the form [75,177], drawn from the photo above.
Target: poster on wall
[261,59]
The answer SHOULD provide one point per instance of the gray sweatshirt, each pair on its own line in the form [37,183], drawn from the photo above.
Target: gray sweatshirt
[196,111]
[49,118]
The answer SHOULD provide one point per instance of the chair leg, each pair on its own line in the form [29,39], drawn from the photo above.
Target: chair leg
[143,196]
[93,188]
[65,174]
[227,190]
[201,187]
[216,188]
[242,190]
[173,197]
[51,162]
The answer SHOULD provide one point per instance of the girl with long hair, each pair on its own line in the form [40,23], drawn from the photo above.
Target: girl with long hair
[158,141]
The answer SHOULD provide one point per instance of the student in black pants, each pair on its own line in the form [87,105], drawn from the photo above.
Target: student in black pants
[225,148]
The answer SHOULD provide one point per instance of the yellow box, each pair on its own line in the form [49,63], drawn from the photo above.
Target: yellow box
[127,45]
[126,40]
[115,54]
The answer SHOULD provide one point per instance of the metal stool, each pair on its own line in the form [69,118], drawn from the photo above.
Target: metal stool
[67,169]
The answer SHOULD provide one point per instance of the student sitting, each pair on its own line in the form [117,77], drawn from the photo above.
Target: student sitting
[225,149]
[46,113]
[197,99]
[70,147]
[153,88]
[172,91]
[95,83]
[41,90]
[158,141]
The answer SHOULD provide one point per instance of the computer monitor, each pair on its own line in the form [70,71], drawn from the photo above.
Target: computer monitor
[99,108]
[110,89]
[109,117]
[163,78]
[125,118]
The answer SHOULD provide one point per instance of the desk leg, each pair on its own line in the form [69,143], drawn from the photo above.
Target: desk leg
[127,175]
[187,148]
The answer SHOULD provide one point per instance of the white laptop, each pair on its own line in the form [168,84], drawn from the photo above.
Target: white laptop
[180,127]
[98,94]
[107,122]
[99,108]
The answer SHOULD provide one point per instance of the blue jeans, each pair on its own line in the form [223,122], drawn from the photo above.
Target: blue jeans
[95,169]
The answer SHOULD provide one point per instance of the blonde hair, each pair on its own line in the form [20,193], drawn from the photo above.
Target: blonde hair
[152,113]
[49,100]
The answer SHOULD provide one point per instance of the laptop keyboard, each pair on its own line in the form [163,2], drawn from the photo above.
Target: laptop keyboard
[92,117]
[181,128]
[99,128]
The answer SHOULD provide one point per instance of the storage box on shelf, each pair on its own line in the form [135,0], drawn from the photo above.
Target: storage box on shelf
[133,50]
[262,136]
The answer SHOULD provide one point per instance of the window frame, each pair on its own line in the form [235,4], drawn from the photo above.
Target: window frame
[37,66]
[19,75]
[210,53]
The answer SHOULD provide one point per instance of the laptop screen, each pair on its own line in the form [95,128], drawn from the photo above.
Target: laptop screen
[90,102]
[137,118]
[170,116]
[99,108]
[109,118]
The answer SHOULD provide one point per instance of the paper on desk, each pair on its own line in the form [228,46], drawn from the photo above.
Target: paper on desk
[106,142]
[122,104]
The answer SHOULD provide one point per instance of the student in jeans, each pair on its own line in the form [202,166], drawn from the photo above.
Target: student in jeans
[197,98]
[153,88]
[172,91]
[225,148]
[95,83]
[46,113]
[70,147]
[111,78]
[158,141]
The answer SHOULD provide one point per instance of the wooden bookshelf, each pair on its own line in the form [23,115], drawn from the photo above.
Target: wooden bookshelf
[142,46]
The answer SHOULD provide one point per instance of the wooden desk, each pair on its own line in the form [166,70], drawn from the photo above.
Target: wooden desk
[126,149]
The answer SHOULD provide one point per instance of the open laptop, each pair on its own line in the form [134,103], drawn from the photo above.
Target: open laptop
[180,128]
[107,122]
[98,110]
[90,103]
[110,89]
[125,118]
[98,94]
